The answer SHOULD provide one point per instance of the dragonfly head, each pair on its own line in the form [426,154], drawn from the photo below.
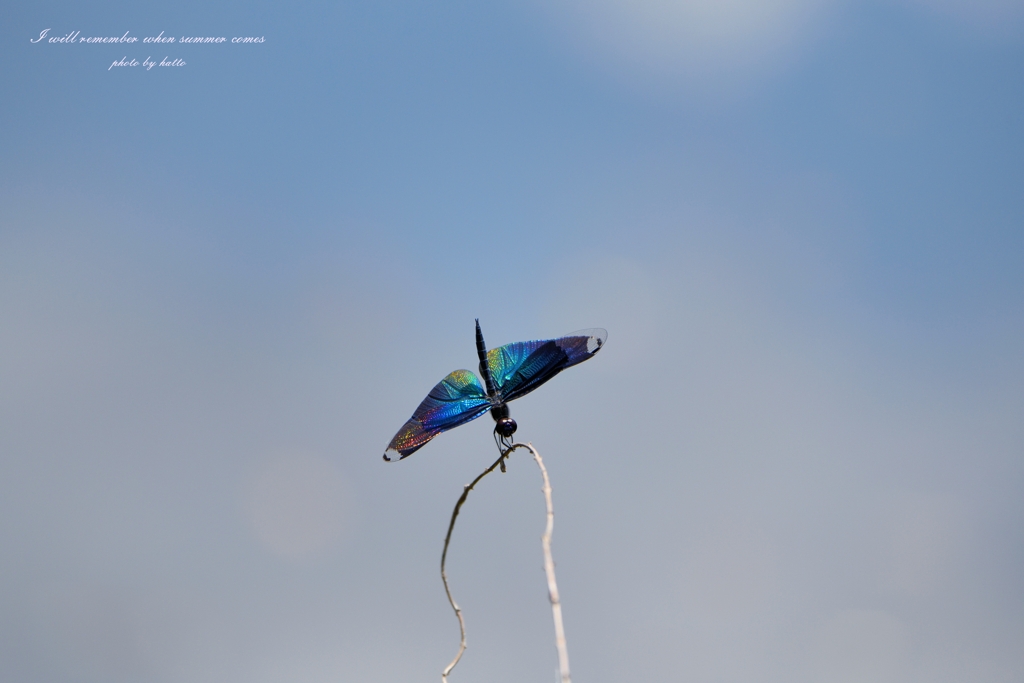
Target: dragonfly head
[506,427]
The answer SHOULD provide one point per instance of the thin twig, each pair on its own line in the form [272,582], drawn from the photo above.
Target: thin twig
[444,557]
[549,564]
[549,569]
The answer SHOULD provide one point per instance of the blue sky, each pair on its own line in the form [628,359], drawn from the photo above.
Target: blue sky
[225,285]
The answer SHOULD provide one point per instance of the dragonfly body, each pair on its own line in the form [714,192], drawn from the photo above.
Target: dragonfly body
[504,424]
[508,372]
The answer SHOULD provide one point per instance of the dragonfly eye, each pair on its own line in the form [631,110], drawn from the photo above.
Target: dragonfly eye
[506,427]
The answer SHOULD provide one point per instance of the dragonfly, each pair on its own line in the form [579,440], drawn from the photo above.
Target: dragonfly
[508,372]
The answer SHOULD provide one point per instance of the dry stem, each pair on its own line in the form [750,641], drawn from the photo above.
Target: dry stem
[444,558]
[549,564]
[549,569]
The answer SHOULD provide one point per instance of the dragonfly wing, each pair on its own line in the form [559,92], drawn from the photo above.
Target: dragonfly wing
[521,367]
[456,399]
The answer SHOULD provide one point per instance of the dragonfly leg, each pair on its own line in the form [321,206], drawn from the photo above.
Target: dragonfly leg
[503,442]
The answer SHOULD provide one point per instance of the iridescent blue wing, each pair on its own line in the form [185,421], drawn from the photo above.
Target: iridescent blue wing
[521,367]
[456,399]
